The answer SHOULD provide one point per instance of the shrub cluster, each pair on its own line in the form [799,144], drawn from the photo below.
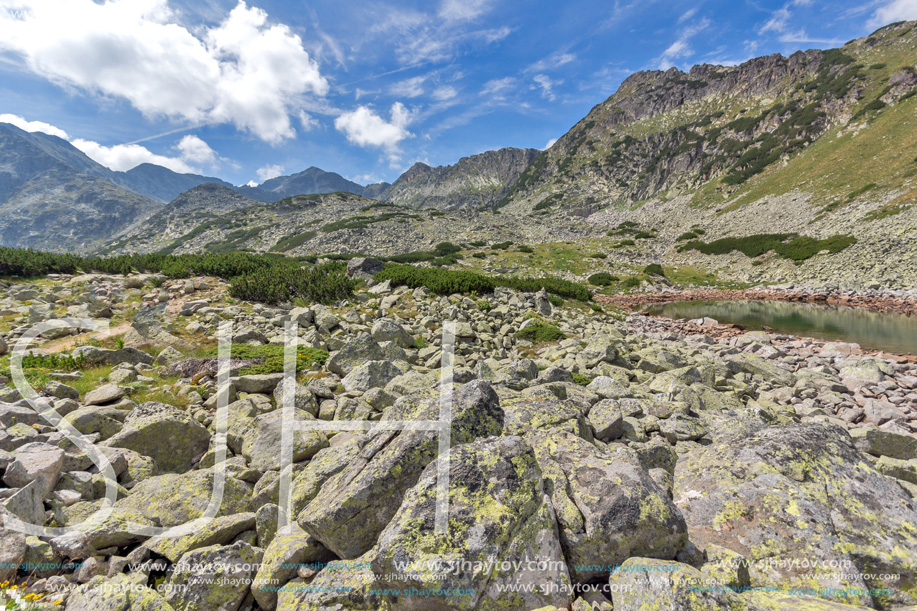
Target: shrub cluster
[539,332]
[787,245]
[269,358]
[602,279]
[267,278]
[447,282]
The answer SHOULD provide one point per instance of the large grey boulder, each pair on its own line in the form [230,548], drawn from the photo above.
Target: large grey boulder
[372,374]
[353,506]
[103,395]
[261,444]
[608,507]
[801,492]
[499,516]
[359,350]
[167,500]
[37,462]
[103,356]
[387,330]
[12,549]
[364,267]
[171,437]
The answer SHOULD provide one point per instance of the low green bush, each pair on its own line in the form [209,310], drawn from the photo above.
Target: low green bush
[539,332]
[526,249]
[654,269]
[270,358]
[602,279]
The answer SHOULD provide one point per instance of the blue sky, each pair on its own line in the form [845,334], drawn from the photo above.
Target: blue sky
[246,91]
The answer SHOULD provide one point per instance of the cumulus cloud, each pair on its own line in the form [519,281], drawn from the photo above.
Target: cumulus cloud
[195,150]
[364,127]
[123,157]
[33,126]
[896,10]
[244,71]
[268,172]
[190,150]
[549,144]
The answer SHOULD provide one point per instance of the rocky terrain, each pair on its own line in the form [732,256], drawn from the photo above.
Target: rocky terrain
[599,460]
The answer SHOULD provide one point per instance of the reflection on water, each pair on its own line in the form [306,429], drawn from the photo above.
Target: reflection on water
[872,330]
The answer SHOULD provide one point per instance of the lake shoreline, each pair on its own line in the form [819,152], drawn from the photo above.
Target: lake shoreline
[865,301]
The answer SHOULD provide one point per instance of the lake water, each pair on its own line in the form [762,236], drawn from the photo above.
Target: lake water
[895,333]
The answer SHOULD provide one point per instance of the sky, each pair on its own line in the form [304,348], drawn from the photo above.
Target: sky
[246,91]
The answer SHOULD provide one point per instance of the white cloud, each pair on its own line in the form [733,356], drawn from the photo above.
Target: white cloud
[463,10]
[549,144]
[409,88]
[497,88]
[250,183]
[896,10]
[364,127]
[268,172]
[687,15]
[547,86]
[551,62]
[778,22]
[195,150]
[681,48]
[244,71]
[307,122]
[123,157]
[33,126]
[444,93]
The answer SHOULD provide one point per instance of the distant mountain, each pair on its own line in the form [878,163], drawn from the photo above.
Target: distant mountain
[161,184]
[54,197]
[478,181]
[307,182]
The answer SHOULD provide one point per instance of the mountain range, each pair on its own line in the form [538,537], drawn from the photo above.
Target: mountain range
[820,143]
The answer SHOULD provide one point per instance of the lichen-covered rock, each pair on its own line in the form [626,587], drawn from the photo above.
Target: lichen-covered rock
[527,413]
[105,421]
[387,330]
[499,518]
[302,398]
[341,586]
[372,374]
[805,495]
[12,549]
[286,554]
[261,443]
[606,420]
[167,500]
[221,531]
[354,506]
[326,463]
[103,356]
[212,578]
[642,584]
[357,351]
[120,593]
[171,437]
[608,507]
[878,442]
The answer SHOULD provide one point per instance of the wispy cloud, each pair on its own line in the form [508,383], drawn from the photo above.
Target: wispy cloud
[681,48]
[896,10]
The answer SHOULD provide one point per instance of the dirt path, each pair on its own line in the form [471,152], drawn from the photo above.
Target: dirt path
[66,344]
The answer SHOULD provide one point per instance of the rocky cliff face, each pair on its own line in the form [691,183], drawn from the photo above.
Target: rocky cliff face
[669,133]
[479,181]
